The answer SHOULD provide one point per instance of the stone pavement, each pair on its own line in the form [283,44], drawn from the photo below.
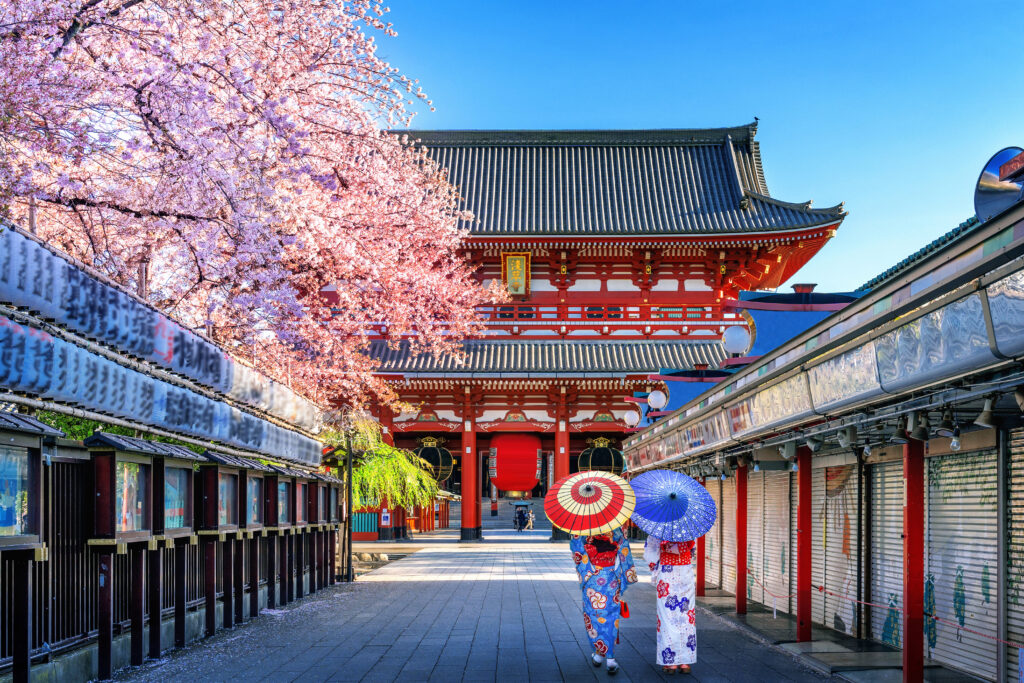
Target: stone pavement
[507,608]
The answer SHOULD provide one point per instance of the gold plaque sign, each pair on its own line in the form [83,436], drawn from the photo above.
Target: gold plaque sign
[515,272]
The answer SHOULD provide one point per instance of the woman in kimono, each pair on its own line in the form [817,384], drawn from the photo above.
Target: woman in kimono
[605,567]
[674,577]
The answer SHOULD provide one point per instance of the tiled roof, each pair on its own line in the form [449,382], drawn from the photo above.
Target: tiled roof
[16,422]
[235,461]
[607,182]
[131,444]
[959,231]
[588,358]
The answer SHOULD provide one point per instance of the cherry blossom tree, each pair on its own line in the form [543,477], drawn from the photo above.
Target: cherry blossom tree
[232,150]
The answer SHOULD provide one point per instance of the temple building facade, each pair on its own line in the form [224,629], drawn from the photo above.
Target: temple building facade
[620,252]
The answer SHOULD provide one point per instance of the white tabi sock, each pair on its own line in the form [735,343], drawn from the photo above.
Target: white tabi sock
[598,659]
[612,663]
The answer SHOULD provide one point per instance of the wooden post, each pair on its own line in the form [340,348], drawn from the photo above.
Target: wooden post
[137,609]
[227,566]
[254,577]
[315,560]
[700,559]
[284,570]
[21,613]
[741,539]
[155,598]
[239,579]
[803,545]
[180,557]
[332,546]
[271,572]
[300,564]
[913,560]
[288,563]
[105,618]
[210,572]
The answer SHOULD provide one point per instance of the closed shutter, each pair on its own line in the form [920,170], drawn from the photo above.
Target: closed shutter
[961,571]
[794,497]
[886,552]
[713,540]
[755,536]
[840,530]
[776,537]
[818,508]
[1015,552]
[729,534]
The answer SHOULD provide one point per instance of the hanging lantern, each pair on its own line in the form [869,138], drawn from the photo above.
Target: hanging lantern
[439,458]
[516,468]
[601,456]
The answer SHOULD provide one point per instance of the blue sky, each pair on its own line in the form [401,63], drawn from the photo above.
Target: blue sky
[892,107]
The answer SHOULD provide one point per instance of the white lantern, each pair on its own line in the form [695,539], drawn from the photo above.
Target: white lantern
[657,399]
[736,340]
[631,418]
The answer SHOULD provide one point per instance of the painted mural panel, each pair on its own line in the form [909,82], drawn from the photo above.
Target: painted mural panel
[844,379]
[1006,303]
[785,400]
[961,561]
[943,343]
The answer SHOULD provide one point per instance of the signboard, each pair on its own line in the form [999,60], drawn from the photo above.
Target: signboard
[515,272]
[540,463]
[551,469]
[492,463]
[1012,168]
[385,517]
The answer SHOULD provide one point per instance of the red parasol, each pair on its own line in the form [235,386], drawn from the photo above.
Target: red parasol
[589,503]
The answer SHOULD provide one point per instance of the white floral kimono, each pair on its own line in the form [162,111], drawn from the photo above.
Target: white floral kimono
[674,577]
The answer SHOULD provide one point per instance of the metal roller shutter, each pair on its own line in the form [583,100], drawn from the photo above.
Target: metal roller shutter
[755,536]
[818,545]
[776,537]
[713,540]
[729,534]
[886,552]
[794,498]
[840,531]
[1015,552]
[961,571]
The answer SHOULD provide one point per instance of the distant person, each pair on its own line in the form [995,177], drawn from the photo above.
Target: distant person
[530,519]
[520,519]
[605,567]
[674,577]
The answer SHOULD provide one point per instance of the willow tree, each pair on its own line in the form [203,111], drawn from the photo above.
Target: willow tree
[381,471]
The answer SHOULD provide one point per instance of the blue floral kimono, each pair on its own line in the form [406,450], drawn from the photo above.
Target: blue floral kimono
[604,576]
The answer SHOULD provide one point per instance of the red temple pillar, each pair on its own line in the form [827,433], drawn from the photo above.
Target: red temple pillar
[913,560]
[700,559]
[470,476]
[562,439]
[803,545]
[741,539]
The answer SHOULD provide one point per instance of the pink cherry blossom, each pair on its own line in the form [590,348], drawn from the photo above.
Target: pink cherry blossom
[235,147]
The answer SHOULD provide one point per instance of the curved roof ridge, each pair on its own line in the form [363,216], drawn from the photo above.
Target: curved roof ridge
[836,210]
[581,136]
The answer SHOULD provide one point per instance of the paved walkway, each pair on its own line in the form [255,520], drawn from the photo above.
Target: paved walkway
[504,609]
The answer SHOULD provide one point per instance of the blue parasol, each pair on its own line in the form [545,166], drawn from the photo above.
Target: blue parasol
[672,506]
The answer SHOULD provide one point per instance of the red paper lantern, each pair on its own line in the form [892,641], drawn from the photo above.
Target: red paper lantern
[516,466]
